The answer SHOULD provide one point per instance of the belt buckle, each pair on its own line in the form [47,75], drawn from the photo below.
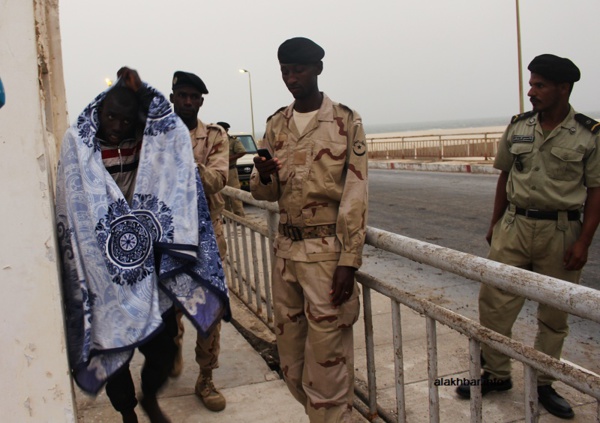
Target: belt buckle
[292,232]
[530,210]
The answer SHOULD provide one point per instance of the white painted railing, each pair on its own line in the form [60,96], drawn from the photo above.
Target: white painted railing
[248,268]
[431,146]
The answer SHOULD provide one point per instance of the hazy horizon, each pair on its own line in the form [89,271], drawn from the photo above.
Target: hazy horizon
[393,62]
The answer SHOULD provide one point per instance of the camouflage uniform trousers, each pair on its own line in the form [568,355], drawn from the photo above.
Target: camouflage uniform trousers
[207,349]
[314,339]
[233,204]
[539,246]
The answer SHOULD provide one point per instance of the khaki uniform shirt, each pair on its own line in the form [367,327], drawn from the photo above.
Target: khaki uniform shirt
[323,181]
[211,153]
[556,170]
[235,147]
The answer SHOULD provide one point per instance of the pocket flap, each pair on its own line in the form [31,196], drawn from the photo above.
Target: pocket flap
[566,154]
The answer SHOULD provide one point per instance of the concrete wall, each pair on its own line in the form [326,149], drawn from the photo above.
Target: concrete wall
[35,383]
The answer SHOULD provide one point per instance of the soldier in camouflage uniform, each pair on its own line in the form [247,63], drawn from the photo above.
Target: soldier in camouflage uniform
[318,176]
[211,152]
[236,150]
[550,168]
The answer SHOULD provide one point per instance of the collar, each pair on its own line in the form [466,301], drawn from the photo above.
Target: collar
[200,131]
[325,113]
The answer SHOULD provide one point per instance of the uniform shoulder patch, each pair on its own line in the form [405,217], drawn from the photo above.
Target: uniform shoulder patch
[588,123]
[277,111]
[522,116]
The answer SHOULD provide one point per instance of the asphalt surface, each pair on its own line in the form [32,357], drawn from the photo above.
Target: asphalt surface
[445,208]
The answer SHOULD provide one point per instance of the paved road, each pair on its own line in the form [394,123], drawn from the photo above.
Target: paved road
[448,209]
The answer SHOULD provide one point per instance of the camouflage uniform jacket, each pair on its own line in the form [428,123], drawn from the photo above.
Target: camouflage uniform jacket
[554,171]
[323,181]
[211,152]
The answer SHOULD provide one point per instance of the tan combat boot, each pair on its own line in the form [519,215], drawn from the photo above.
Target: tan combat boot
[178,362]
[205,389]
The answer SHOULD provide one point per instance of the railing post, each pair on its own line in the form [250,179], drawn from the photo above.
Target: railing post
[475,374]
[441,147]
[398,362]
[432,367]
[531,399]
[272,223]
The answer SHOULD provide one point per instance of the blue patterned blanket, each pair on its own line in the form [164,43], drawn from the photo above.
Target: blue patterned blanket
[125,265]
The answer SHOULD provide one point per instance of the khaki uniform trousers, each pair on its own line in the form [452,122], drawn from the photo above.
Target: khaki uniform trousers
[233,204]
[207,349]
[315,340]
[539,246]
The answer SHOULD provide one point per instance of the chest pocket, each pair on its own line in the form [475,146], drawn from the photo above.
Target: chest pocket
[328,161]
[521,154]
[565,164]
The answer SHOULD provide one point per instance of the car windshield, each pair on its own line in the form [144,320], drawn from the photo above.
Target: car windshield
[248,142]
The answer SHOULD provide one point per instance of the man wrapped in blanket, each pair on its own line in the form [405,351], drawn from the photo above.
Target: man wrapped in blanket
[135,236]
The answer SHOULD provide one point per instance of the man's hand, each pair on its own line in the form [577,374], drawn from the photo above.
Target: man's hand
[130,77]
[342,286]
[266,168]
[576,256]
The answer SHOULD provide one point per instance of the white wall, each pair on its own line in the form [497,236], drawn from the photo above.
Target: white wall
[34,384]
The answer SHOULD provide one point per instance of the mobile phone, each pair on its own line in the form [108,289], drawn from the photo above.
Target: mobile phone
[263,152]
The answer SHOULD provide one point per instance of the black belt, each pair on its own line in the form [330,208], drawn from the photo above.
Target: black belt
[296,233]
[232,166]
[547,215]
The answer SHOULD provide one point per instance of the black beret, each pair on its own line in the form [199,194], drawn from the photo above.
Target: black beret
[555,68]
[224,125]
[181,78]
[300,50]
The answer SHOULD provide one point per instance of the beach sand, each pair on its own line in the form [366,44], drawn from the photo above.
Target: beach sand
[496,130]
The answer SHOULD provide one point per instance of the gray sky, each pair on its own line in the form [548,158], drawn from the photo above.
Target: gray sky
[394,61]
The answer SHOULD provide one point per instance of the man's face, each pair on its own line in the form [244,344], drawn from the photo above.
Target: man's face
[186,100]
[545,94]
[301,80]
[117,121]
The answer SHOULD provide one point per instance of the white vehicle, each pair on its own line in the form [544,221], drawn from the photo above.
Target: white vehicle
[245,164]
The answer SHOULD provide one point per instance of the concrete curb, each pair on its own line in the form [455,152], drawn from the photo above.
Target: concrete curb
[435,167]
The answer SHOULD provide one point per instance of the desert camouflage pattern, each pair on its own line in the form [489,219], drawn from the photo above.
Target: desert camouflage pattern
[211,152]
[323,181]
[321,190]
[314,340]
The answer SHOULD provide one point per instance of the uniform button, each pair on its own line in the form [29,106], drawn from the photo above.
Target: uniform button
[536,168]
[533,188]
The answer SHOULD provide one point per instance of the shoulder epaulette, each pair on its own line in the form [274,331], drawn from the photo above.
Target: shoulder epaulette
[277,111]
[522,116]
[589,123]
[215,126]
[345,107]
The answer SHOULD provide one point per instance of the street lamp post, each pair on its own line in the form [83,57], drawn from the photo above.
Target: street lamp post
[251,106]
[519,61]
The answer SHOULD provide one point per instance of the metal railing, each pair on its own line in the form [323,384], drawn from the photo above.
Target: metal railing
[430,146]
[249,269]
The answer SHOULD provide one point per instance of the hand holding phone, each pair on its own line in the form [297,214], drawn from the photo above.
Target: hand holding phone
[263,152]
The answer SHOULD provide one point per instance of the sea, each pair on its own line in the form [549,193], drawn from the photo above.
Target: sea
[445,124]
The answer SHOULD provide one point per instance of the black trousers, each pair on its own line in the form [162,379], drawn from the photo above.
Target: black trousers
[159,353]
